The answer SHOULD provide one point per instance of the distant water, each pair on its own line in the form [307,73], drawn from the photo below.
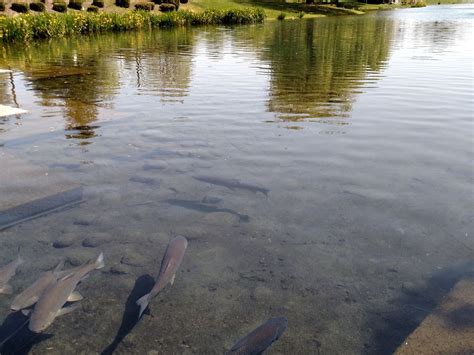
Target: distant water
[361,128]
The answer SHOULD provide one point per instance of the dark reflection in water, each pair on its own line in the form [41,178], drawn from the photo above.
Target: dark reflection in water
[142,286]
[16,338]
[319,66]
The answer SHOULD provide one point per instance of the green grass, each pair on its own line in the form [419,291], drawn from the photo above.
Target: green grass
[273,8]
[48,25]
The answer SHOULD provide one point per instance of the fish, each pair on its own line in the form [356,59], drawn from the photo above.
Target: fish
[257,341]
[50,304]
[201,207]
[231,184]
[169,265]
[6,273]
[32,294]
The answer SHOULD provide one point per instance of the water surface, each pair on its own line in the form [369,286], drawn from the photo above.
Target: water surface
[360,128]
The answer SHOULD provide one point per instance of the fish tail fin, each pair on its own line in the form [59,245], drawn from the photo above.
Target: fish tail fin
[99,263]
[143,303]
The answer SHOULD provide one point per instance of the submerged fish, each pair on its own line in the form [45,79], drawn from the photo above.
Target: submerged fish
[31,294]
[50,304]
[257,341]
[169,265]
[6,273]
[232,184]
[198,206]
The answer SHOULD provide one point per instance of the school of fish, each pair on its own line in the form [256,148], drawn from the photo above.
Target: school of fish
[47,297]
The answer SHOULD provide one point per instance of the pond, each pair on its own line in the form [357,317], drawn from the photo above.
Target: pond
[320,169]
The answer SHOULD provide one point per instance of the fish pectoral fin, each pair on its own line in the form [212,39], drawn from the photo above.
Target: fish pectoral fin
[26,312]
[6,289]
[172,279]
[66,310]
[67,276]
[74,297]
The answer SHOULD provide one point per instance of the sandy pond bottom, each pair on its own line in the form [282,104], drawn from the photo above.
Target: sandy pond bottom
[368,220]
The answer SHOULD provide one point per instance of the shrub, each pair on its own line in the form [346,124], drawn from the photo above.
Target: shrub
[38,6]
[60,7]
[167,7]
[183,1]
[350,5]
[2,6]
[123,3]
[281,16]
[173,2]
[98,3]
[19,7]
[92,8]
[145,6]
[75,4]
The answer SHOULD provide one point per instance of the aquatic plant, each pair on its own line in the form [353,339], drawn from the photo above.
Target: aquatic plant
[281,16]
[50,25]
[144,6]
[60,6]
[92,8]
[98,3]
[75,4]
[21,7]
[38,6]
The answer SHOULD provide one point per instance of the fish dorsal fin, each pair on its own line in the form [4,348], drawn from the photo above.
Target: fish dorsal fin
[172,279]
[74,297]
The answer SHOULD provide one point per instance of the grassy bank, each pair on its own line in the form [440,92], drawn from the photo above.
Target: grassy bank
[48,25]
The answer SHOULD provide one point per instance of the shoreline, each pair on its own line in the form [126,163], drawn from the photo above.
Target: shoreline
[49,24]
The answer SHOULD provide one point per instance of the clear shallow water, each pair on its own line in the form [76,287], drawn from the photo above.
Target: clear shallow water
[360,127]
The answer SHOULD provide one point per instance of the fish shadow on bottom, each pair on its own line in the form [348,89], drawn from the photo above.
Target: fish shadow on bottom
[16,338]
[142,286]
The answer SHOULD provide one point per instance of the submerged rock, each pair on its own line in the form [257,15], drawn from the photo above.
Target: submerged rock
[132,260]
[211,199]
[261,293]
[96,240]
[222,218]
[119,269]
[144,180]
[155,166]
[64,242]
